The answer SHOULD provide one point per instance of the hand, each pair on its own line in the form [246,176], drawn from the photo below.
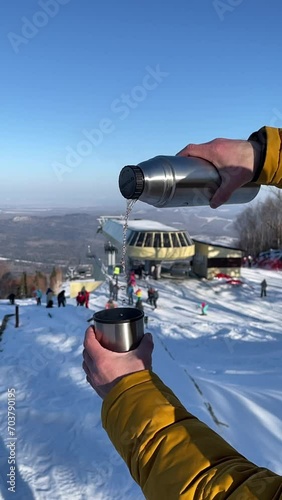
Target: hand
[104,368]
[235,160]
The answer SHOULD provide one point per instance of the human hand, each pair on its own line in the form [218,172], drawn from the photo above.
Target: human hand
[104,368]
[235,160]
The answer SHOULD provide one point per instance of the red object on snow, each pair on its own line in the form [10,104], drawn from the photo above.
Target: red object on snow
[234,281]
[228,279]
[222,275]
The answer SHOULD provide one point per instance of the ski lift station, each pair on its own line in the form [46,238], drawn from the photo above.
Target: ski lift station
[148,243]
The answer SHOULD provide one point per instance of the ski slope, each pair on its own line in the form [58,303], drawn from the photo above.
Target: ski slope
[225,367]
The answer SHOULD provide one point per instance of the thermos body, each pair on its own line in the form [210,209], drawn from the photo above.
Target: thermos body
[175,181]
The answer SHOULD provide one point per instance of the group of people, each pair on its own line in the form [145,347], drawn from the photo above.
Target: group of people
[169,452]
[152,293]
[82,299]
[61,298]
[133,293]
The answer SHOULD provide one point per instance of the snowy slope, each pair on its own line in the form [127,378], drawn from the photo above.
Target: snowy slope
[225,367]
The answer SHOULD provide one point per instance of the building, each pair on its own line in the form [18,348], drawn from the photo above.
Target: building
[147,243]
[211,259]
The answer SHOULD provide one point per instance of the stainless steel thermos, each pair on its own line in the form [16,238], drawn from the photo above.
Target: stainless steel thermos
[176,181]
[120,329]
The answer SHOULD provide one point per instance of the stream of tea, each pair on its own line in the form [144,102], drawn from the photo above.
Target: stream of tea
[129,206]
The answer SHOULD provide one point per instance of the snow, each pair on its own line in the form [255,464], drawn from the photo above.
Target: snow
[146,225]
[225,368]
[223,241]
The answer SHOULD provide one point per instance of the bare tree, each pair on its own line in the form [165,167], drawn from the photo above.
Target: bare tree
[260,226]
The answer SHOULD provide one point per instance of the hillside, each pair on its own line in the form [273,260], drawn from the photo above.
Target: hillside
[33,239]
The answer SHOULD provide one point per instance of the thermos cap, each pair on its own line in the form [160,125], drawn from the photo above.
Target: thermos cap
[131,182]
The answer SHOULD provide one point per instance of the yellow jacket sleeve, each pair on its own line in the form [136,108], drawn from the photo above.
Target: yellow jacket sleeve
[269,170]
[171,454]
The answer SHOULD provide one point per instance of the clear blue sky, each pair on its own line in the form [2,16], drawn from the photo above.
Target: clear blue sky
[70,67]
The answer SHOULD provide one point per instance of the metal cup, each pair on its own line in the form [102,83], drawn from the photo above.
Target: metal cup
[120,329]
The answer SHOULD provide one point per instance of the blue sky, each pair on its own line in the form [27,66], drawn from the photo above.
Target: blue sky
[87,87]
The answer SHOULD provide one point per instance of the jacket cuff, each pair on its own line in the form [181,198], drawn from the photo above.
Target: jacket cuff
[268,171]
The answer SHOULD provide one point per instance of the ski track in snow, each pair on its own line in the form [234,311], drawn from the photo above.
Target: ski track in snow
[225,368]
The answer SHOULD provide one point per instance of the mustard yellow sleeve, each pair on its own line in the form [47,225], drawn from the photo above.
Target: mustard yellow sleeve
[269,170]
[171,454]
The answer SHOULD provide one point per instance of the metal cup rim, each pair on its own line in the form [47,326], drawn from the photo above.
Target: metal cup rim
[118,315]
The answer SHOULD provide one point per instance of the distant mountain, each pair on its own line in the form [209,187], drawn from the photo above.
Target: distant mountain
[196,220]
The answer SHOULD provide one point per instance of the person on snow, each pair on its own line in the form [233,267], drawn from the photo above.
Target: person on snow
[139,271]
[155,298]
[61,299]
[85,297]
[204,308]
[110,304]
[130,292]
[49,298]
[169,452]
[139,304]
[263,287]
[116,273]
[150,293]
[115,291]
[132,279]
[80,299]
[11,298]
[111,286]
[38,296]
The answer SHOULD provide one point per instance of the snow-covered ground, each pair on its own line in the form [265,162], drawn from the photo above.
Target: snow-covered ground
[225,367]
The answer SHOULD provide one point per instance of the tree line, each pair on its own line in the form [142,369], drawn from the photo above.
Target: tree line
[24,285]
[260,226]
